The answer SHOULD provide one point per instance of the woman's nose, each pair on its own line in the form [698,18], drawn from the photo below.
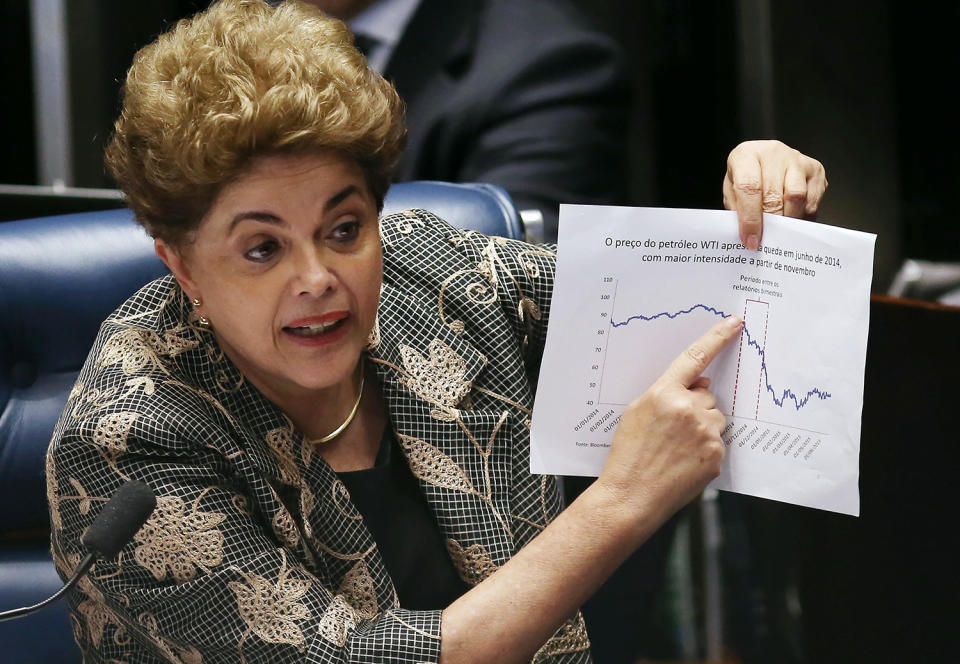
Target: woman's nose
[314,276]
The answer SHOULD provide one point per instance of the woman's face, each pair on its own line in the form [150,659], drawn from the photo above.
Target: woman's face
[287,265]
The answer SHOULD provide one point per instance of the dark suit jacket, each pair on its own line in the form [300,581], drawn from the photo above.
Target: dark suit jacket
[256,552]
[515,92]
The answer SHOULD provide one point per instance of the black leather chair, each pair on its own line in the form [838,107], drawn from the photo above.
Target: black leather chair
[59,278]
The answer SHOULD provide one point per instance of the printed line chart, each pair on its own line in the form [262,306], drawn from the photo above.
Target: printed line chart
[630,298]
[756,313]
[746,380]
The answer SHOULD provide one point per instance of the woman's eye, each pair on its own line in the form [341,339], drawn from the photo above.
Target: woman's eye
[346,232]
[262,252]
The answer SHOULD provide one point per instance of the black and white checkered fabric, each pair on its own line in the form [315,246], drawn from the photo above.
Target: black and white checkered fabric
[255,552]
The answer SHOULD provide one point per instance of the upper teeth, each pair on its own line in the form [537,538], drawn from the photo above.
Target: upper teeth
[317,327]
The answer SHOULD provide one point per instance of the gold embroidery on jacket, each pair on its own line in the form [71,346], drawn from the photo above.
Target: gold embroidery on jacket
[477,292]
[571,637]
[174,344]
[134,349]
[227,384]
[240,503]
[128,349]
[81,495]
[341,500]
[407,220]
[174,653]
[172,539]
[280,442]
[94,610]
[532,269]
[307,502]
[337,620]
[528,307]
[97,616]
[474,563]
[92,401]
[434,467]
[75,391]
[373,339]
[546,481]
[112,431]
[340,555]
[438,379]
[272,610]
[491,266]
[358,589]
[53,497]
[285,529]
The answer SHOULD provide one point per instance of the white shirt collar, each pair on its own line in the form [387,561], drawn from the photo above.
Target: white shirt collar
[383,21]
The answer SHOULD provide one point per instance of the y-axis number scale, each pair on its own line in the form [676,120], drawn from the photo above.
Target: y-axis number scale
[606,316]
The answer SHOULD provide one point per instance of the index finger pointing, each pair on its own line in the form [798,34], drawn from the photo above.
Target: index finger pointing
[692,362]
[745,176]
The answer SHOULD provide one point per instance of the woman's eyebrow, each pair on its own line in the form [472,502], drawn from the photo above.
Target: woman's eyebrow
[340,196]
[270,218]
[265,217]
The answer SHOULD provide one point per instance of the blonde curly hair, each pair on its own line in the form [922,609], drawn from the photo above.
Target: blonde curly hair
[241,80]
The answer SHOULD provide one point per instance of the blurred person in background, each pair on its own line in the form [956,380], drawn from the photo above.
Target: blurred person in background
[521,94]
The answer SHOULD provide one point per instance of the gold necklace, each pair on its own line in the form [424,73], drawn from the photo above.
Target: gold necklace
[353,411]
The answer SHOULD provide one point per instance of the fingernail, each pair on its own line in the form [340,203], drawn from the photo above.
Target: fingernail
[733,322]
[753,241]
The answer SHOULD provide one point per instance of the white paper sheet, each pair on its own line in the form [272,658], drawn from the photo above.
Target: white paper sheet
[635,286]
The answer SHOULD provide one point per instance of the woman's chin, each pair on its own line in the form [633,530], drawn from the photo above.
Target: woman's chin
[318,371]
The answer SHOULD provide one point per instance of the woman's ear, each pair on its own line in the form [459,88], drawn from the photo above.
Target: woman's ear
[175,263]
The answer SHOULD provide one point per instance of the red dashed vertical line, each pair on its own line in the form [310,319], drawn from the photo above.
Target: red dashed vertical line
[763,360]
[736,381]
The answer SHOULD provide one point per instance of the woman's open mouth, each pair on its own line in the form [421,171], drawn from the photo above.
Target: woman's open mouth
[314,330]
[318,331]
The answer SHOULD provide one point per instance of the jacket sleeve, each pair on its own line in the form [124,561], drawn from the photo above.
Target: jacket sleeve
[523,275]
[205,579]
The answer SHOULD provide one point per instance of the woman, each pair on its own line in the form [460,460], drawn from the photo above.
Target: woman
[309,392]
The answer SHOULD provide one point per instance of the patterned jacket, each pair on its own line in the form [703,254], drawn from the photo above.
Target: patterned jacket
[255,552]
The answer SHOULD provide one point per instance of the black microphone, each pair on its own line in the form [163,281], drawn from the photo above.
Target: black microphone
[127,510]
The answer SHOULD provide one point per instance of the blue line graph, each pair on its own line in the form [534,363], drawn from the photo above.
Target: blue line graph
[785,395]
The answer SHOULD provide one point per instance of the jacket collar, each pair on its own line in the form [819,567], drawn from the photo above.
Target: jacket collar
[428,367]
[441,33]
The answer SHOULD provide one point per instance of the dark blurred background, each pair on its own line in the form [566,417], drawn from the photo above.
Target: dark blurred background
[864,88]
[861,86]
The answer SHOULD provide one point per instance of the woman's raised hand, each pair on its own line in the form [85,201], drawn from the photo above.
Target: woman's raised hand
[667,447]
[666,450]
[768,176]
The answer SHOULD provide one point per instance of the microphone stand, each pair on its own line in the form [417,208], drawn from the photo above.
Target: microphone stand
[85,564]
[127,510]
